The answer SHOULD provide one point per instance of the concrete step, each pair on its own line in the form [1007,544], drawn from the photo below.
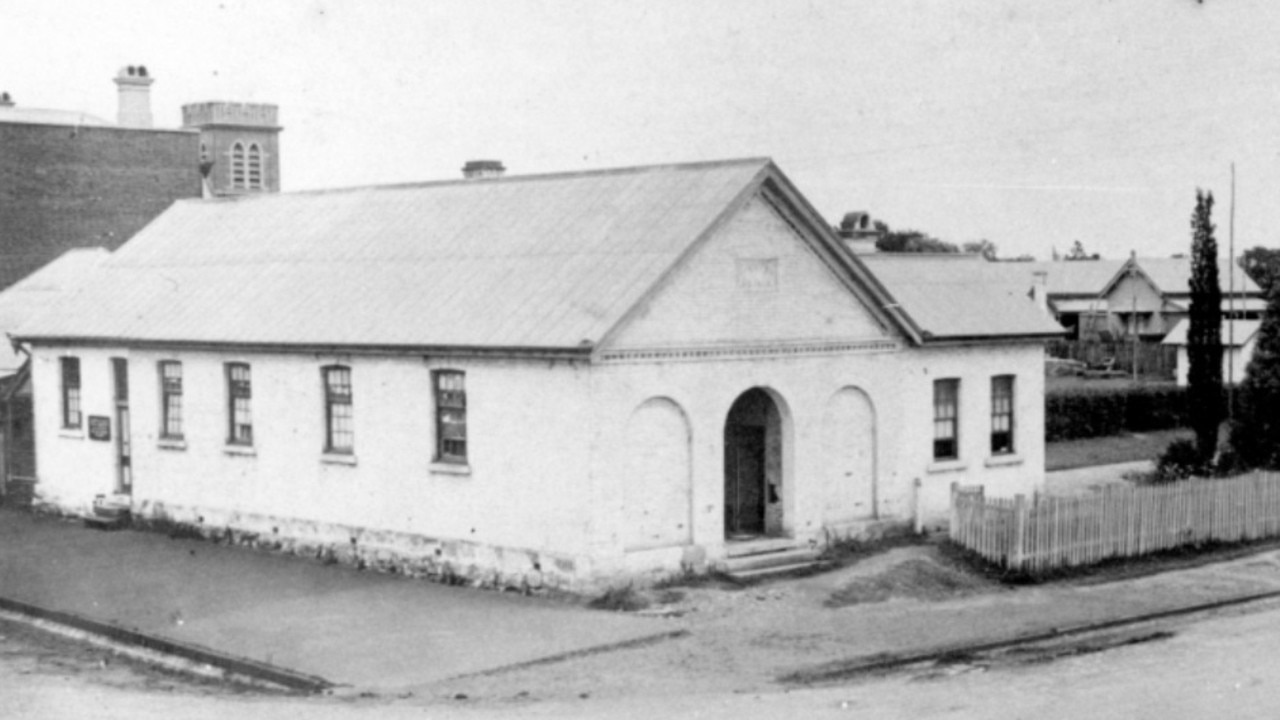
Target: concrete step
[758,546]
[770,559]
[772,570]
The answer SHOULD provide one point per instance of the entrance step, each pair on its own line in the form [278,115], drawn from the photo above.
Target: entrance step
[109,513]
[758,546]
[768,557]
[19,493]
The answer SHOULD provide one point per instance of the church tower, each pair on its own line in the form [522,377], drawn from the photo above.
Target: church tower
[239,146]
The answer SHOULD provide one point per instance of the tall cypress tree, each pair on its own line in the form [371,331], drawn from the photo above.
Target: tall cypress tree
[1256,435]
[1204,336]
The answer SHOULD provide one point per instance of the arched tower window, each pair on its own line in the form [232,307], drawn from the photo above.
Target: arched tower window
[255,167]
[238,170]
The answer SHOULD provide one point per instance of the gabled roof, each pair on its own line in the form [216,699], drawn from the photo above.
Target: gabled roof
[1235,333]
[954,296]
[1081,278]
[1172,276]
[525,262]
[40,292]
[539,263]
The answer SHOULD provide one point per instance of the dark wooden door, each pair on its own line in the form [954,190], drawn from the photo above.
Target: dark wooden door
[744,480]
[124,446]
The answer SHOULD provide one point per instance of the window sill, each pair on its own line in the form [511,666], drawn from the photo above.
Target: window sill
[331,458]
[242,450]
[444,468]
[946,466]
[171,444]
[1003,460]
[71,433]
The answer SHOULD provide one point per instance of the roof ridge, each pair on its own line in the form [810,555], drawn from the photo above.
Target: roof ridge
[761,161]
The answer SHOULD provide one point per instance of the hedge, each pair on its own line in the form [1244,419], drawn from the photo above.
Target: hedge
[1098,412]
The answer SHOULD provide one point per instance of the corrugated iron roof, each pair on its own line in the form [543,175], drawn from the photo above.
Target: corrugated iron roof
[962,296]
[548,261]
[544,262]
[41,292]
[1173,275]
[1072,277]
[1237,331]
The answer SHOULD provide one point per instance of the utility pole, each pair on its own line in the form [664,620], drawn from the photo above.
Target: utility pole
[1231,301]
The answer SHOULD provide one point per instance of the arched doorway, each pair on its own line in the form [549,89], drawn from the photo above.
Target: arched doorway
[753,450]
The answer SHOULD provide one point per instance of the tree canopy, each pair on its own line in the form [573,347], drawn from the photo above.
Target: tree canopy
[1262,265]
[1255,436]
[1077,252]
[1204,333]
[913,241]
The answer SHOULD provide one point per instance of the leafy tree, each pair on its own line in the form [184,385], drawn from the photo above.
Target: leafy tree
[984,247]
[1204,334]
[1255,436]
[1078,253]
[908,241]
[1262,265]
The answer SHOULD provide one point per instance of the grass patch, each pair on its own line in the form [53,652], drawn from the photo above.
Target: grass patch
[620,599]
[1055,383]
[1112,569]
[847,552]
[1130,447]
[717,579]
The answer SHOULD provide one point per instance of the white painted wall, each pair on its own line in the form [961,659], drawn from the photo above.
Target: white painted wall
[526,485]
[620,462]
[1235,361]
[897,386]
[752,281]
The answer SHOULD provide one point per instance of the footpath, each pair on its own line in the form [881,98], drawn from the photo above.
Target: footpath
[335,623]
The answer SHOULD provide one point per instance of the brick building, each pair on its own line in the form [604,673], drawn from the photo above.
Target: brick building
[72,180]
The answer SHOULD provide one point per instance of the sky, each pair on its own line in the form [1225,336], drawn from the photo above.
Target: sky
[1029,124]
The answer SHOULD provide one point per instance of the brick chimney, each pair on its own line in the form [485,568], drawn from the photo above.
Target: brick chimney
[476,169]
[135,96]
[859,232]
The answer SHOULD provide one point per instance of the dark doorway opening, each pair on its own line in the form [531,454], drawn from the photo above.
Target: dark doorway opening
[752,467]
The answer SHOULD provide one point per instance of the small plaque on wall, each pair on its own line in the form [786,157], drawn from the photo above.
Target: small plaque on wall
[99,427]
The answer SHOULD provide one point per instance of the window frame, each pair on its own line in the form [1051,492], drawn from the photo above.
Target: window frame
[333,401]
[1003,413]
[238,168]
[253,167]
[450,404]
[171,389]
[72,400]
[946,419]
[239,414]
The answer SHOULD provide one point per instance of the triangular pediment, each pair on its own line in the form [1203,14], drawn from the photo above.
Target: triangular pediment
[756,279]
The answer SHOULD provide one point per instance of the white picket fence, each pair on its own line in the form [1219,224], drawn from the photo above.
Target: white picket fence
[1047,532]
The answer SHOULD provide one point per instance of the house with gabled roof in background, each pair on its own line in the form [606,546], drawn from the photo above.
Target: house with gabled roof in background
[1072,291]
[1147,297]
[549,380]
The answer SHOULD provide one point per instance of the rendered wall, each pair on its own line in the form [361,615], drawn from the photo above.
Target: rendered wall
[519,508]
[879,448]
[755,307]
